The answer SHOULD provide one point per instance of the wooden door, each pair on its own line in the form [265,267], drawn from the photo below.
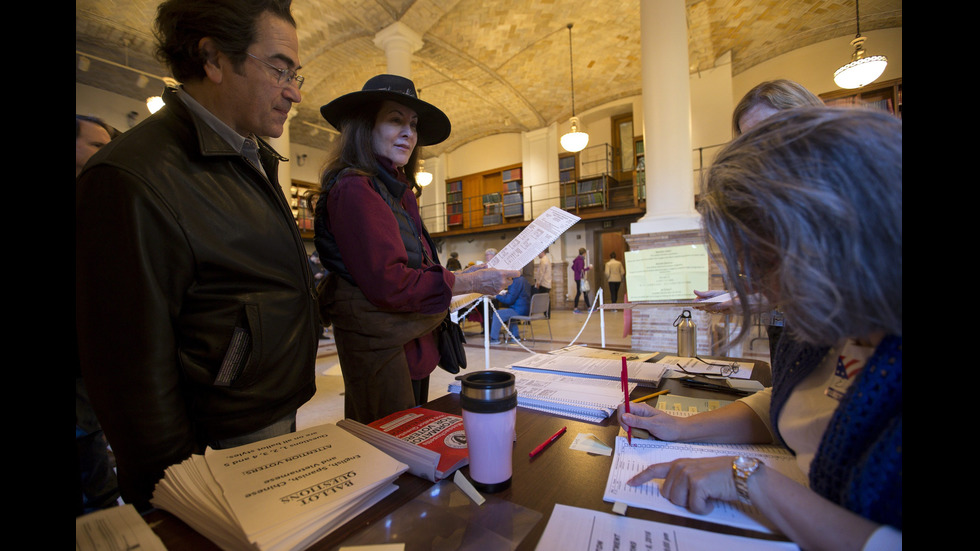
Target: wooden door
[611,241]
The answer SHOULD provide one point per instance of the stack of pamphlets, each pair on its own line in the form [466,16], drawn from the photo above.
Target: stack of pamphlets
[284,493]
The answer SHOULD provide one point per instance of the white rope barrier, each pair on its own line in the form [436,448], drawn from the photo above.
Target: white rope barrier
[592,308]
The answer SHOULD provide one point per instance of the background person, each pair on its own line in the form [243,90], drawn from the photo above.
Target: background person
[615,271]
[806,210]
[542,273]
[386,293]
[578,269]
[515,302]
[97,477]
[453,264]
[91,135]
[195,313]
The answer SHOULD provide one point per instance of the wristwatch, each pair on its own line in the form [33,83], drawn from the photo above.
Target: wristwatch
[742,469]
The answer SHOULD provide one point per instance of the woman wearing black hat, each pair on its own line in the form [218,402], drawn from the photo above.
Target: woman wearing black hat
[386,293]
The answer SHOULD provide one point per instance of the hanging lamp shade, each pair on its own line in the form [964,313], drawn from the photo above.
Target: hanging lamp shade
[861,70]
[575,140]
[422,177]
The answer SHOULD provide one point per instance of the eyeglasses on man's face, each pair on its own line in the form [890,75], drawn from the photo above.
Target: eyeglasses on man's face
[286,76]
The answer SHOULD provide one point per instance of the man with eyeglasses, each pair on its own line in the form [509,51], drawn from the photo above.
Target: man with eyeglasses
[195,309]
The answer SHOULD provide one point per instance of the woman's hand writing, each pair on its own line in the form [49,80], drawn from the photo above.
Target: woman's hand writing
[658,423]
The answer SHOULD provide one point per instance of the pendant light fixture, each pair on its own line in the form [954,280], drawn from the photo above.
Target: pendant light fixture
[861,71]
[575,140]
[422,177]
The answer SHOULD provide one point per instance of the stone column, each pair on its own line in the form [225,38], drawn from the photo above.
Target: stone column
[670,219]
[399,42]
[666,119]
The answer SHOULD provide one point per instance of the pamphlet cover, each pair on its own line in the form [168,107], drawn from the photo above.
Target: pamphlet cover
[439,432]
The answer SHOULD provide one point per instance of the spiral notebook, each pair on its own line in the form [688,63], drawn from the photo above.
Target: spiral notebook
[586,399]
[593,368]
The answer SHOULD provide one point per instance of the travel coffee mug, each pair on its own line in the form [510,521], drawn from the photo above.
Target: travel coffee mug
[489,402]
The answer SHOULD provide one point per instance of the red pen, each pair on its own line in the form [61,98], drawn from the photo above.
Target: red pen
[541,448]
[626,392]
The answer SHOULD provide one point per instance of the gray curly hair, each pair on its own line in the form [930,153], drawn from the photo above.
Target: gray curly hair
[806,208]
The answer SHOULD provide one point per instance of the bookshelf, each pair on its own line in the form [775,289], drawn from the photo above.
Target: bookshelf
[454,203]
[484,199]
[884,96]
[513,193]
[492,209]
[594,179]
[591,192]
[567,177]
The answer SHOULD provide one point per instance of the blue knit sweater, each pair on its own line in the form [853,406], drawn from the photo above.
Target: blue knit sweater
[858,464]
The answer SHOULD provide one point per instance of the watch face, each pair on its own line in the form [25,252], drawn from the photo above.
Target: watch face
[746,462]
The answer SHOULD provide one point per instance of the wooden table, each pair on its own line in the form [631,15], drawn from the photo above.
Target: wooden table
[557,475]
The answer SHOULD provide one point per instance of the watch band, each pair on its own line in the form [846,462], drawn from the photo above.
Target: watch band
[742,468]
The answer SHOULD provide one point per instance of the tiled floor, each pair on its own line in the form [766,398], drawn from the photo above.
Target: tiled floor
[327,406]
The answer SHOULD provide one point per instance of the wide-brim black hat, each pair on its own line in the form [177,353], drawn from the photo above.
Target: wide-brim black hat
[433,126]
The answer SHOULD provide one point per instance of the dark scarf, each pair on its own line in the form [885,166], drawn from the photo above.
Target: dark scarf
[858,464]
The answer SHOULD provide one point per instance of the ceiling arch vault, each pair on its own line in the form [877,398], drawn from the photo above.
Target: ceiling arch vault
[492,65]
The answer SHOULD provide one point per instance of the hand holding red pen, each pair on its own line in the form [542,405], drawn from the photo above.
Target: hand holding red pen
[624,377]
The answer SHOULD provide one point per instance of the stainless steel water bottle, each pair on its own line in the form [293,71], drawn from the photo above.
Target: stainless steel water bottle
[687,335]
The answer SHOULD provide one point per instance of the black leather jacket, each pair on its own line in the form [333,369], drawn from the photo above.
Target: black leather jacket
[188,262]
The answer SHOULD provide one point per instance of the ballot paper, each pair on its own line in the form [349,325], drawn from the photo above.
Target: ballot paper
[536,237]
[524,248]
[629,460]
[576,529]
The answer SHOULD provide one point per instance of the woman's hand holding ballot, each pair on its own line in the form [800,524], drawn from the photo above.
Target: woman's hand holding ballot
[483,280]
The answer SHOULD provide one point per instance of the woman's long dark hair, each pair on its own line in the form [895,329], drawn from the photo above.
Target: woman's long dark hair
[356,153]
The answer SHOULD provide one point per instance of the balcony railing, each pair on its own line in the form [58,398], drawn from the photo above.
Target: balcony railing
[592,196]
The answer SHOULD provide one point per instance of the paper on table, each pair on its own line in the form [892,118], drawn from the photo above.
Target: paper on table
[115,528]
[591,352]
[642,373]
[686,301]
[630,460]
[590,443]
[574,529]
[709,367]
[591,400]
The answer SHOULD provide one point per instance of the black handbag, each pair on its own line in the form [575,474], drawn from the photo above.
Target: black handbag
[452,356]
